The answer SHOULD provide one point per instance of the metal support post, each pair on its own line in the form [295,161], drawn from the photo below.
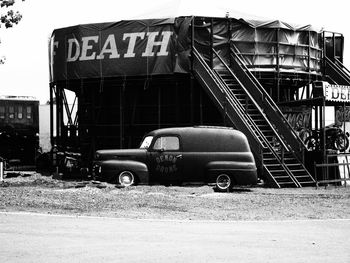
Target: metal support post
[1,170]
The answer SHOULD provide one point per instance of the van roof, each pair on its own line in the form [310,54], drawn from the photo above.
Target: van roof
[208,138]
[198,130]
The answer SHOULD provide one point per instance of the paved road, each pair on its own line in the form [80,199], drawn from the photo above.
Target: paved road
[48,238]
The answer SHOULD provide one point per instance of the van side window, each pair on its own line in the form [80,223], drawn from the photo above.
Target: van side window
[167,143]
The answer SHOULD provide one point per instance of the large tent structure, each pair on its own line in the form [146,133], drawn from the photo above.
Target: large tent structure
[133,76]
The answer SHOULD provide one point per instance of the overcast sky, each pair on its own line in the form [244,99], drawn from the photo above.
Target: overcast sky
[26,45]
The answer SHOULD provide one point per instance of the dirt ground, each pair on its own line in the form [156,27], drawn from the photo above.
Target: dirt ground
[37,193]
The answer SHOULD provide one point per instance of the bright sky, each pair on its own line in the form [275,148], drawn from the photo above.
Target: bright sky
[26,45]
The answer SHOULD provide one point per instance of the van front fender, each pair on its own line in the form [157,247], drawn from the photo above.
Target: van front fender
[110,169]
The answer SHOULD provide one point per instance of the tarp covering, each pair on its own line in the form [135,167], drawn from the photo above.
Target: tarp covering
[278,24]
[163,46]
[125,48]
[268,44]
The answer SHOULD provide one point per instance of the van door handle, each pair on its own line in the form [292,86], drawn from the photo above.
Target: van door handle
[179,156]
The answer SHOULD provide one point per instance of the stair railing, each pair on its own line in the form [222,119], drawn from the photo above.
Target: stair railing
[340,69]
[284,146]
[240,111]
[223,93]
[264,141]
[270,107]
[340,64]
[238,106]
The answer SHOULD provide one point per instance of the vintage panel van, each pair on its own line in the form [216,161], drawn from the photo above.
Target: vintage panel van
[212,155]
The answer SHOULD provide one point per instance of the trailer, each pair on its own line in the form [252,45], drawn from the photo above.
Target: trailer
[19,129]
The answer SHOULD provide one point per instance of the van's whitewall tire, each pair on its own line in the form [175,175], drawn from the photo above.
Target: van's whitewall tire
[126,178]
[223,183]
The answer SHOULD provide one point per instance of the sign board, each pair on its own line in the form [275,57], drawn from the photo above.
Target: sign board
[339,93]
[126,48]
[342,114]
[298,117]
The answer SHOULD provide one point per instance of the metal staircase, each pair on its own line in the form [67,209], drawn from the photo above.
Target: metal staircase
[245,103]
[336,71]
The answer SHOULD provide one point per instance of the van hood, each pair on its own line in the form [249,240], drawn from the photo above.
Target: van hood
[129,154]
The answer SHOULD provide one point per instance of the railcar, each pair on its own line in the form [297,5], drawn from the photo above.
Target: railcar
[19,129]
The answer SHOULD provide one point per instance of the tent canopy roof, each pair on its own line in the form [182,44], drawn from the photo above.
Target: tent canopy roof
[278,24]
[253,23]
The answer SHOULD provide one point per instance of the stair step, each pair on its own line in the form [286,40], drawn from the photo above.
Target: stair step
[287,184]
[295,171]
[308,183]
[292,164]
[252,108]
[256,116]
[271,163]
[239,95]
[301,176]
[274,168]
[264,127]
[259,120]
[277,171]
[282,179]
[267,132]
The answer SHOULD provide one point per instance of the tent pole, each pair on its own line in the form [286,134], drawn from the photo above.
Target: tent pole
[51,115]
[192,41]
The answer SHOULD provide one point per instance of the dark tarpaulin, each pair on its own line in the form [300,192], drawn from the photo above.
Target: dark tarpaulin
[163,46]
[298,47]
[262,44]
[133,48]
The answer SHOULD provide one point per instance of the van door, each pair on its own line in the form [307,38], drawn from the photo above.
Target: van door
[165,159]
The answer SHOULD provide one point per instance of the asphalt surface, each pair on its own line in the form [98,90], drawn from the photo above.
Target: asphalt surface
[26,237]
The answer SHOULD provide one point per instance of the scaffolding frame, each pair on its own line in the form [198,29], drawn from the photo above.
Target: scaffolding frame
[281,85]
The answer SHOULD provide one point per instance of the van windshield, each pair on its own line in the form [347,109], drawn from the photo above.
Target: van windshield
[146,142]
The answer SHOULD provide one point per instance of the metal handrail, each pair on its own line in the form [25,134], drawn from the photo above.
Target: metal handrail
[248,119]
[341,67]
[234,102]
[222,89]
[266,97]
[337,61]
[254,102]
[338,69]
[269,146]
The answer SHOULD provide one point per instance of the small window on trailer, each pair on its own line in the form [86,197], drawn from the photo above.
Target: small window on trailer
[2,112]
[20,112]
[11,112]
[29,112]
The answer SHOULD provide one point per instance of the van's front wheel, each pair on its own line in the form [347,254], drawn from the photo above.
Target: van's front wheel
[126,178]
[223,183]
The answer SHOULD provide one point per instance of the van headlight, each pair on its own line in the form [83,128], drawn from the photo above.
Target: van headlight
[96,170]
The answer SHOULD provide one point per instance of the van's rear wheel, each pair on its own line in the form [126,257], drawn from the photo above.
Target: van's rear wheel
[223,183]
[126,178]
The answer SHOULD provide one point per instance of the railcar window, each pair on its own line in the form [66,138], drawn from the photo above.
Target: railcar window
[167,143]
[2,112]
[11,112]
[29,112]
[20,112]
